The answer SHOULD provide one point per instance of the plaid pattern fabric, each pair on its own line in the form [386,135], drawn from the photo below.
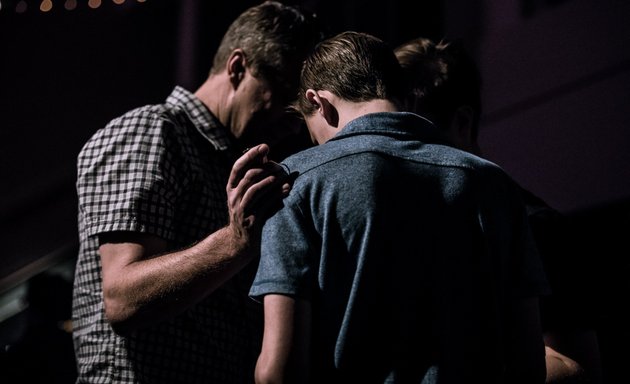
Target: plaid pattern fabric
[160,169]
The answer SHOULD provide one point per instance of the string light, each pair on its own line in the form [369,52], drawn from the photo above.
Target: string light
[21,6]
[70,4]
[46,5]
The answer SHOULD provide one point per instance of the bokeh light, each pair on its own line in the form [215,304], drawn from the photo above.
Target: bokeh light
[46,5]
[21,6]
[70,4]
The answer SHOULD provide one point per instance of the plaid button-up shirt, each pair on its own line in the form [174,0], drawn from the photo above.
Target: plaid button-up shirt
[160,169]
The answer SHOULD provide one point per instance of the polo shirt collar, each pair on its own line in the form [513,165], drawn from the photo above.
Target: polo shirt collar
[393,123]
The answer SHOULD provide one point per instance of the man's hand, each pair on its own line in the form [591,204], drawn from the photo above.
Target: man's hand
[255,190]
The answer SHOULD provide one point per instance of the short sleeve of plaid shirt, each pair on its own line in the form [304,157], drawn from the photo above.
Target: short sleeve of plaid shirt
[129,175]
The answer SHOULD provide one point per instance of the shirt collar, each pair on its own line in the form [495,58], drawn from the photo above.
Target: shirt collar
[201,117]
[394,124]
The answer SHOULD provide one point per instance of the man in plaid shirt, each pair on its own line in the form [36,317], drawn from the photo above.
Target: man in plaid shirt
[160,292]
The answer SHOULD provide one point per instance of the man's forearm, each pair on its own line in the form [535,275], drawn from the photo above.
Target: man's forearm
[147,291]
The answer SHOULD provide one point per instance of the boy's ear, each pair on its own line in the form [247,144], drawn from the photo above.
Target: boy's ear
[313,98]
[323,106]
[236,66]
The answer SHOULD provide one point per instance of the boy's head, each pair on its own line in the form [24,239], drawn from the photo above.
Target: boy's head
[355,67]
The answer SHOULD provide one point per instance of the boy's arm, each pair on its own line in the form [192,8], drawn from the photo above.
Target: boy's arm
[285,355]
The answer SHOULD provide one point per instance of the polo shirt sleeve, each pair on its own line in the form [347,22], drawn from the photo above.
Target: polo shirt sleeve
[128,178]
[508,237]
[530,277]
[288,263]
[527,271]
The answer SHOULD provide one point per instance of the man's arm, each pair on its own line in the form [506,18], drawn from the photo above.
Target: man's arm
[572,356]
[142,284]
[285,354]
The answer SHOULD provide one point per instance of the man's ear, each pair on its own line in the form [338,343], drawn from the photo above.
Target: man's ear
[323,106]
[236,66]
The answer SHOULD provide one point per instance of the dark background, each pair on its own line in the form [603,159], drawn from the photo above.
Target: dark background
[556,101]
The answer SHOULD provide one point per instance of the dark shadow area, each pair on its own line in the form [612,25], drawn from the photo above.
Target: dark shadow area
[603,252]
[37,345]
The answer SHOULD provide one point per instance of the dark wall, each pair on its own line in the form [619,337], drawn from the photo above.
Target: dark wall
[556,93]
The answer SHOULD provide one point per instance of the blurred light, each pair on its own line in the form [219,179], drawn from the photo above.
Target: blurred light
[94,3]
[0,5]
[21,6]
[46,5]
[70,4]
[118,1]
[141,1]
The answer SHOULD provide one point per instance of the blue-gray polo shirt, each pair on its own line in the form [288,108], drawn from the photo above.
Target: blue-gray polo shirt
[408,251]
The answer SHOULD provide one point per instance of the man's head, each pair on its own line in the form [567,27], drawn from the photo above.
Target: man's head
[349,70]
[445,87]
[260,57]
